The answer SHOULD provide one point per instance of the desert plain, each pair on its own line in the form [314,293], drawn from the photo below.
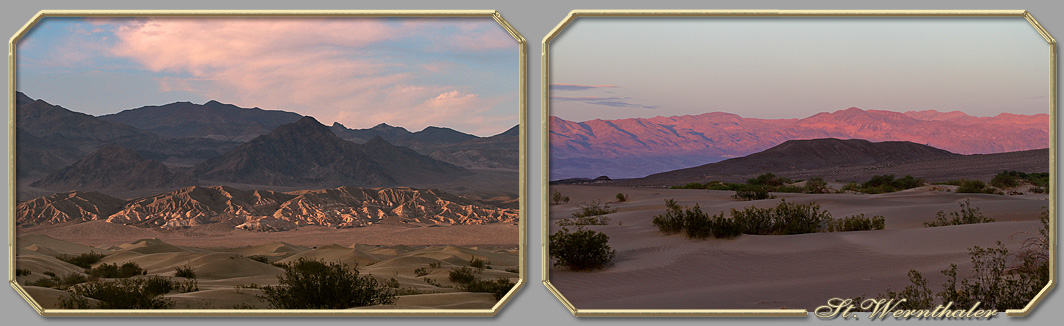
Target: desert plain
[653,270]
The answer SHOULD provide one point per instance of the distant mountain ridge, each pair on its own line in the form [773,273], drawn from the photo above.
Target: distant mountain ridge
[259,210]
[111,167]
[639,147]
[825,153]
[212,120]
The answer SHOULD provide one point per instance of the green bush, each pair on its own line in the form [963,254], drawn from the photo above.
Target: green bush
[581,249]
[479,263]
[621,197]
[857,223]
[589,214]
[84,260]
[885,183]
[421,271]
[790,189]
[816,186]
[462,275]
[967,215]
[515,269]
[470,281]
[672,220]
[785,218]
[260,258]
[1012,179]
[185,271]
[112,270]
[22,272]
[314,284]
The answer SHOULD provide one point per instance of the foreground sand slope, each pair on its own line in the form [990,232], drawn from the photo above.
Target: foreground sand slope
[230,278]
[657,271]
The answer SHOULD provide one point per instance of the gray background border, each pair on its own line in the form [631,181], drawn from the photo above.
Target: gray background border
[533,304]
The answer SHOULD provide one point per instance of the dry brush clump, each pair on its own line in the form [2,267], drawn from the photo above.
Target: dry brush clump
[468,279]
[589,214]
[785,218]
[967,215]
[580,249]
[314,284]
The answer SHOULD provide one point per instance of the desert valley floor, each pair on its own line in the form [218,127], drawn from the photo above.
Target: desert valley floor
[657,271]
[226,275]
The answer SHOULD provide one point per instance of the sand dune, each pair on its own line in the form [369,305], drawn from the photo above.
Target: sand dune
[654,271]
[228,279]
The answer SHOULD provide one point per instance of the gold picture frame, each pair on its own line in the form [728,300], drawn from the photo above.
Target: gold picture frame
[545,135]
[522,169]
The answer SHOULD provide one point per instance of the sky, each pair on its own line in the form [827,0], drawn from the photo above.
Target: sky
[775,67]
[461,73]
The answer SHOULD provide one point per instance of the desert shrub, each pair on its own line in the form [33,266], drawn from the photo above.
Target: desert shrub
[785,218]
[581,249]
[908,182]
[314,284]
[74,301]
[189,285]
[435,264]
[71,279]
[392,283]
[768,179]
[515,270]
[718,185]
[885,183]
[497,287]
[112,270]
[49,273]
[185,271]
[692,185]
[816,186]
[462,275]
[1038,190]
[594,208]
[790,189]
[975,186]
[557,198]
[479,263]
[22,272]
[857,223]
[752,193]
[421,271]
[694,222]
[621,197]
[260,258]
[143,293]
[1011,179]
[672,220]
[852,186]
[158,284]
[916,293]
[84,260]
[967,215]
[44,282]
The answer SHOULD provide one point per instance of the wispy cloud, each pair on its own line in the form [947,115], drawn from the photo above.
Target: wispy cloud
[617,102]
[578,87]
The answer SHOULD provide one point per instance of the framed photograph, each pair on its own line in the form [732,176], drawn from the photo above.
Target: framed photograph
[267,162]
[797,163]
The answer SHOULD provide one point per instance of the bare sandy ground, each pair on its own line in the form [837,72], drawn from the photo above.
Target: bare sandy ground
[227,277]
[657,271]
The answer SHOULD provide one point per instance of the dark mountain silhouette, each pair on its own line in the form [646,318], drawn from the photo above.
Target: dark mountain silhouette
[212,120]
[50,137]
[428,138]
[637,147]
[113,168]
[307,153]
[794,155]
[498,152]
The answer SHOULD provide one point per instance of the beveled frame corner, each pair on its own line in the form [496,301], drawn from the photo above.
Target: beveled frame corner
[522,164]
[545,139]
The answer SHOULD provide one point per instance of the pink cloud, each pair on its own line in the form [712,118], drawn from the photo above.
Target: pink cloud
[311,66]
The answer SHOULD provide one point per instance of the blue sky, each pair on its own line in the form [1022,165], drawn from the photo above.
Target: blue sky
[460,73]
[774,67]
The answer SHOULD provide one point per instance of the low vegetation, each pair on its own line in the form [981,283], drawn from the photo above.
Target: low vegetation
[557,198]
[129,293]
[479,264]
[885,183]
[966,215]
[314,284]
[580,249]
[260,258]
[816,186]
[22,272]
[752,193]
[84,260]
[185,271]
[976,187]
[468,279]
[759,188]
[995,283]
[113,270]
[1012,179]
[621,197]
[785,218]
[589,214]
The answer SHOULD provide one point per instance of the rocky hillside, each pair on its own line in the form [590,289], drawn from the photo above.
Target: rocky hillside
[259,210]
[213,120]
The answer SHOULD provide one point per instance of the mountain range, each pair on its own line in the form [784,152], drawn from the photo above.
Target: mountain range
[638,147]
[183,144]
[851,160]
[264,210]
